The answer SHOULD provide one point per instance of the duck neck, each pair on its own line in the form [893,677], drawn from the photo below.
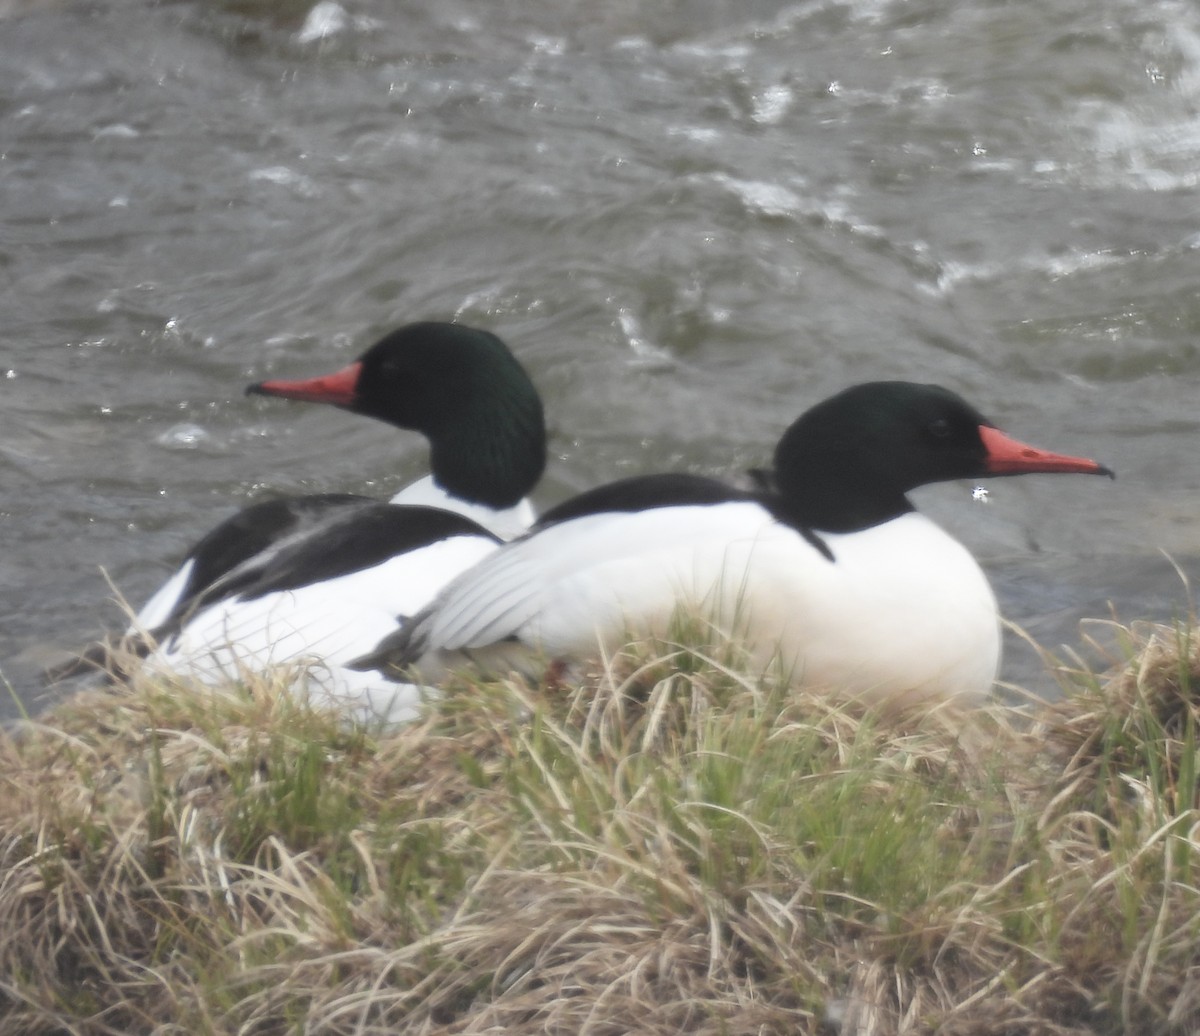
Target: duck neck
[830,484]
[838,505]
[495,464]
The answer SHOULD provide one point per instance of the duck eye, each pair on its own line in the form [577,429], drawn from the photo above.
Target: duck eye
[939,429]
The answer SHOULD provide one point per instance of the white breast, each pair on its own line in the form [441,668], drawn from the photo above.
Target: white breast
[505,523]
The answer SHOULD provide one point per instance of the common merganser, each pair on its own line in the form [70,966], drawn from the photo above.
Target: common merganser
[459,386]
[314,581]
[826,569]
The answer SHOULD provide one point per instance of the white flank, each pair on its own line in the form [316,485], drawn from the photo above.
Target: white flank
[317,629]
[155,611]
[902,610]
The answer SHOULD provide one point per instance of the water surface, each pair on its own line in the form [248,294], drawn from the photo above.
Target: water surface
[690,221]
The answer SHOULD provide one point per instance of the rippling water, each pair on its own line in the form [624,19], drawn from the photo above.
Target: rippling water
[690,220]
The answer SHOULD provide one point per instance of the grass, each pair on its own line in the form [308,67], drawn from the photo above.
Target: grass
[665,846]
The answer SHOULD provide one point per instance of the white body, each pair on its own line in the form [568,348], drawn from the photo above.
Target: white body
[318,628]
[903,610]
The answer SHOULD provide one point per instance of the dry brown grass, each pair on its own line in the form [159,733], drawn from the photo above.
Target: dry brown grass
[666,847]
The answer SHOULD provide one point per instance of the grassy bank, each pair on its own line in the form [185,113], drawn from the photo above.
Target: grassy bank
[667,848]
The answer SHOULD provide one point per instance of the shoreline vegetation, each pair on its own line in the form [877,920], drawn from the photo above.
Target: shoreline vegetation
[664,847]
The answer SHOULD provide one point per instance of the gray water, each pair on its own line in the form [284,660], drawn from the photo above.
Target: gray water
[690,220]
